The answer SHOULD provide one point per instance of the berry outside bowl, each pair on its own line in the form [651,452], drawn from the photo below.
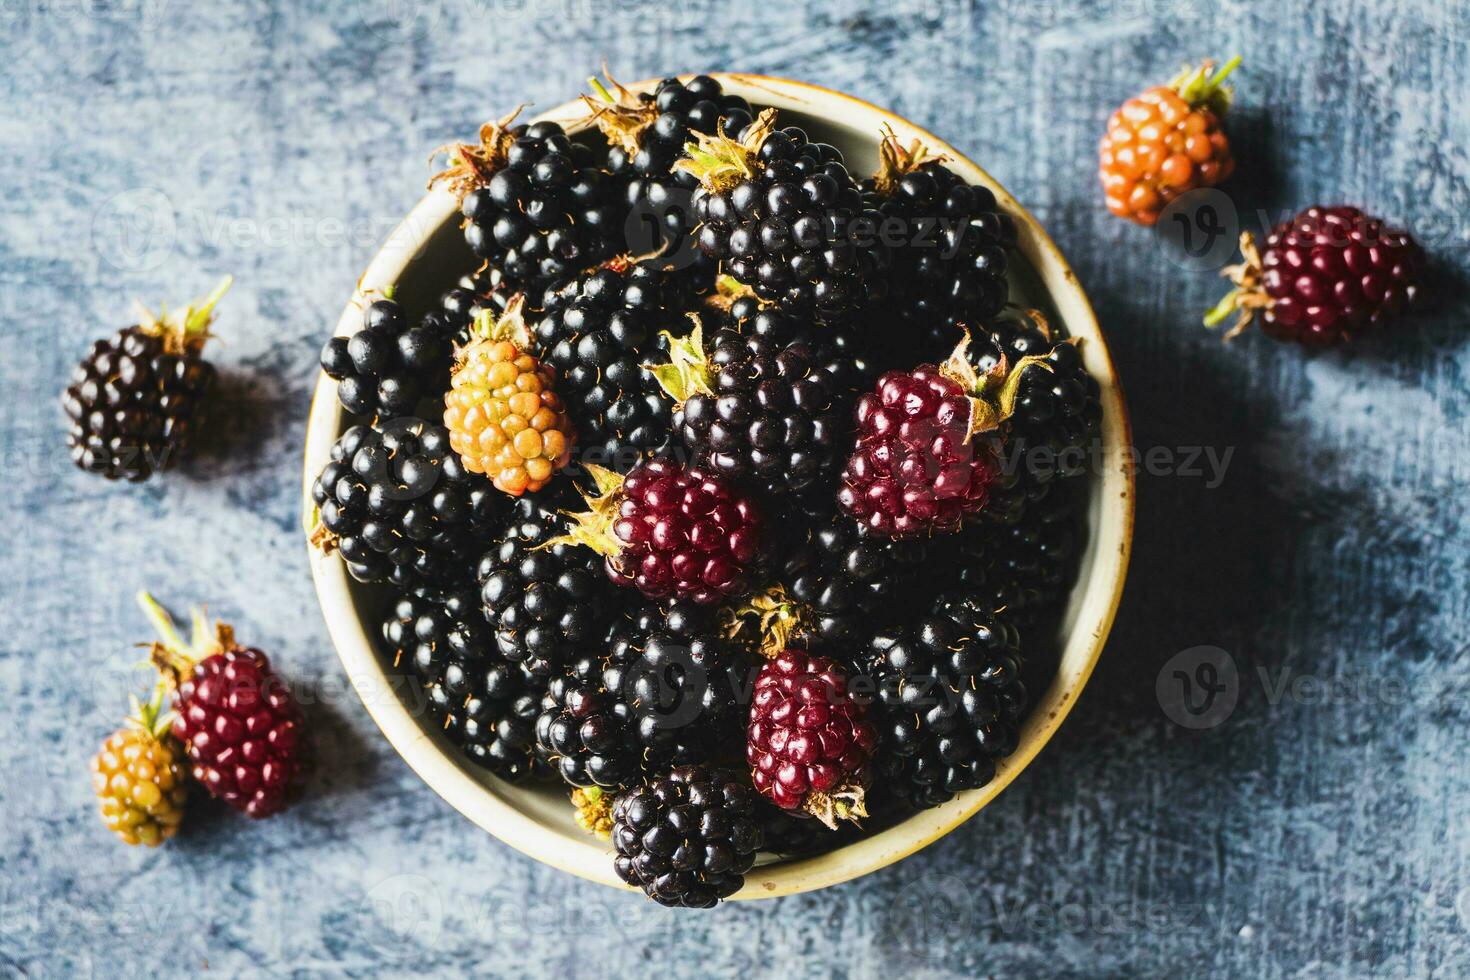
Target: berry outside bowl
[425,255]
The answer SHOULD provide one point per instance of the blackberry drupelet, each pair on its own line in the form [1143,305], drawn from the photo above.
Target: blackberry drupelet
[950,699]
[597,332]
[585,732]
[786,218]
[546,605]
[133,401]
[1324,276]
[756,409]
[647,132]
[687,839]
[679,679]
[486,706]
[397,503]
[951,267]
[537,207]
[385,368]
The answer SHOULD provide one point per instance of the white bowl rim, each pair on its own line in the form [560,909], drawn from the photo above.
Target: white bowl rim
[587,857]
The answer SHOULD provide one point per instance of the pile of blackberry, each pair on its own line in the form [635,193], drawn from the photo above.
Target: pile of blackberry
[652,621]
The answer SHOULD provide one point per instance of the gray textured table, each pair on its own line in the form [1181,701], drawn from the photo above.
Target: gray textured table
[1319,830]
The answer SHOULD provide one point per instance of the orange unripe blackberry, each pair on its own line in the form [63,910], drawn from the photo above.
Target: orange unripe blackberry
[502,411]
[1165,142]
[139,777]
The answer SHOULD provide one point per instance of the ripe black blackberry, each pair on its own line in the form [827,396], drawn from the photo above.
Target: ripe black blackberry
[646,133]
[597,331]
[688,838]
[585,732]
[951,267]
[950,700]
[841,582]
[1026,567]
[399,506]
[840,352]
[678,676]
[786,218]
[486,706]
[545,605]
[536,205]
[133,400]
[386,367]
[1058,412]
[756,409]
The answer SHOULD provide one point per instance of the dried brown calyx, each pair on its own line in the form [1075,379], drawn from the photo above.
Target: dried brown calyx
[470,165]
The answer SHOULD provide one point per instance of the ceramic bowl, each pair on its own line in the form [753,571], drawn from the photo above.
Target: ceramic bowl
[425,255]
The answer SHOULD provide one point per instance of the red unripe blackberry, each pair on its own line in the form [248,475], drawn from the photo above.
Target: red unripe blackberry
[809,741]
[673,531]
[1166,142]
[1321,278]
[687,839]
[133,400]
[239,723]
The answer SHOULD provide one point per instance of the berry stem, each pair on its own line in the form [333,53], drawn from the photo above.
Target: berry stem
[688,372]
[593,528]
[1202,86]
[172,655]
[1229,303]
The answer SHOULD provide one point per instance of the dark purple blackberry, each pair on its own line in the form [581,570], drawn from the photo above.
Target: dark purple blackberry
[783,216]
[647,132]
[537,207]
[384,369]
[950,700]
[679,678]
[485,706]
[133,401]
[688,838]
[597,332]
[951,267]
[839,350]
[397,503]
[585,732]
[545,606]
[758,409]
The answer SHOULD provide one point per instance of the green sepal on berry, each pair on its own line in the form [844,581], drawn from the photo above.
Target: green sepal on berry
[594,810]
[769,622]
[687,372]
[1249,295]
[623,118]
[507,324]
[719,162]
[593,528]
[170,653]
[1203,86]
[470,166]
[184,331]
[993,394]
[895,160]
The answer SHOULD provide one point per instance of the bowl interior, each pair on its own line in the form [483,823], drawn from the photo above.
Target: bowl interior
[426,255]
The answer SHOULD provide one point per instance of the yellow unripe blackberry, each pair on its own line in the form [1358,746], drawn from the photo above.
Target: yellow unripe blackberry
[502,411]
[139,778]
